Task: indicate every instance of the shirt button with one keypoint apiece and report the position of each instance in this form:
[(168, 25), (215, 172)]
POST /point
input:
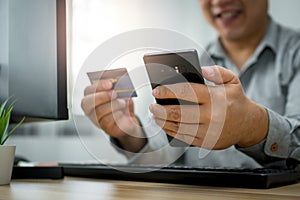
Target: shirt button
[(274, 147)]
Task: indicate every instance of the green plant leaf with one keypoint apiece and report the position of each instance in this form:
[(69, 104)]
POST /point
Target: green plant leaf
[(2, 108), (12, 131), (2, 132), (4, 124), (5, 120)]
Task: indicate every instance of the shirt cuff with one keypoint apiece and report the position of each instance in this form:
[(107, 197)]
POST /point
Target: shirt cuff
[(279, 136), (131, 156), (276, 145)]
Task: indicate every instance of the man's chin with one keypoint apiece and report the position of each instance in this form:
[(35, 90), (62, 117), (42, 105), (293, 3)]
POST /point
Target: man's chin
[(232, 36)]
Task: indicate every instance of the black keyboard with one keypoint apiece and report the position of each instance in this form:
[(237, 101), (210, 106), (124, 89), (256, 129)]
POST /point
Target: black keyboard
[(53, 172), (246, 178)]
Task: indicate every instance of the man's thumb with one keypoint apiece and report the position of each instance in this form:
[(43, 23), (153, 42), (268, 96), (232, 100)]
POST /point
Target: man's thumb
[(219, 75)]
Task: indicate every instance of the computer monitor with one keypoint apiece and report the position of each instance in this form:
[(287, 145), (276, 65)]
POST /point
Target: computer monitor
[(33, 61)]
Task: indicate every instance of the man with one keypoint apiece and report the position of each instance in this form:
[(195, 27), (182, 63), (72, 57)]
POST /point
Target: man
[(262, 112)]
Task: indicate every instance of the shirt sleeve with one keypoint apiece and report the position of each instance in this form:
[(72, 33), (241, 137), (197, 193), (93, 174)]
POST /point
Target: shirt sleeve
[(283, 138), (157, 150)]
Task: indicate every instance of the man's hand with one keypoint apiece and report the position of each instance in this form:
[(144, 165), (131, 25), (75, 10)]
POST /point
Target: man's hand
[(223, 116), (115, 116)]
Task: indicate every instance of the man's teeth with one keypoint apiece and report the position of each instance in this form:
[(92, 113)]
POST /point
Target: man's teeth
[(227, 14)]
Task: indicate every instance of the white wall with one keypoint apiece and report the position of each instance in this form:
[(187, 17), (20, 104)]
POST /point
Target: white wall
[(99, 20), (286, 12)]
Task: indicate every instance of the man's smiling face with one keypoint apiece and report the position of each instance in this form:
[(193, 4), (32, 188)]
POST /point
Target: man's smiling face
[(235, 19)]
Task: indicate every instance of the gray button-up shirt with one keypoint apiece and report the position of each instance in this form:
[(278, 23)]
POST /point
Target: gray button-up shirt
[(271, 77)]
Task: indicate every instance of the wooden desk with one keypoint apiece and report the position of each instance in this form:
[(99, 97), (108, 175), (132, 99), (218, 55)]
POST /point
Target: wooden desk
[(86, 189)]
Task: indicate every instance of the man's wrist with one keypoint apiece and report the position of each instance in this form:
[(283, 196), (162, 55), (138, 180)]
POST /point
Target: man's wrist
[(257, 123), (134, 141)]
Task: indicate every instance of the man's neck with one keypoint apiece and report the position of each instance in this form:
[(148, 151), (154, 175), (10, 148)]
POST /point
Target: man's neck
[(241, 50)]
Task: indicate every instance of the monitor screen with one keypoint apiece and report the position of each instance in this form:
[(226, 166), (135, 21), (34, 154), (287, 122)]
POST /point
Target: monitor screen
[(33, 61)]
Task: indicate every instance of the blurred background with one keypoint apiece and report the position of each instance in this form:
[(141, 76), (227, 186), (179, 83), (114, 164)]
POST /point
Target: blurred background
[(90, 23)]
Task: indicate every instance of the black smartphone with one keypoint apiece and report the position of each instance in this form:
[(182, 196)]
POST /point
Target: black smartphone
[(165, 68)]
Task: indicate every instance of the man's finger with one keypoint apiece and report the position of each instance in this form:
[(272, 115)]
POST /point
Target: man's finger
[(101, 85), (91, 101), (181, 128), (219, 75), (181, 113), (110, 107), (192, 92)]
